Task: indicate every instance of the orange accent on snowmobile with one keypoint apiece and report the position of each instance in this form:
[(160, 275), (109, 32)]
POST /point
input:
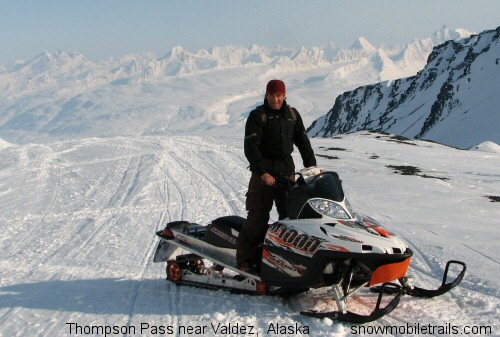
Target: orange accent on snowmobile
[(382, 231), (390, 272), (379, 229)]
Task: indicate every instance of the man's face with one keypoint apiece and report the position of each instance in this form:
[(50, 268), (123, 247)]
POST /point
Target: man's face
[(275, 100)]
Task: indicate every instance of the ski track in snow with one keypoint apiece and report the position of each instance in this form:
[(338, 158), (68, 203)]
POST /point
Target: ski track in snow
[(482, 255), (79, 221)]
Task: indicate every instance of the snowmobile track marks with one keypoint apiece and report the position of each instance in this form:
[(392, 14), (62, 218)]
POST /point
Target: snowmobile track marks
[(220, 185), (47, 211)]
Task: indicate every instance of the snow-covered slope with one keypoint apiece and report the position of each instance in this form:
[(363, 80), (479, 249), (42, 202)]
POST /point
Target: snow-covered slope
[(79, 220), (64, 95), (453, 100)]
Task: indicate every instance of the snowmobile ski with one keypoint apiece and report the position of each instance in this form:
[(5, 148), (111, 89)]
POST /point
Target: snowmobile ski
[(408, 289), (351, 317)]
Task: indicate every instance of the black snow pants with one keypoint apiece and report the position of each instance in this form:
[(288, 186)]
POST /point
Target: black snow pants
[(259, 203)]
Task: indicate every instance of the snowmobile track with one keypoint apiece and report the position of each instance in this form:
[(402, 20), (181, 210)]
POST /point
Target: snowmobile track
[(47, 211)]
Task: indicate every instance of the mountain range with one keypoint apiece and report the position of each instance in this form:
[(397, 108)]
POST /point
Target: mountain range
[(453, 100), (64, 95)]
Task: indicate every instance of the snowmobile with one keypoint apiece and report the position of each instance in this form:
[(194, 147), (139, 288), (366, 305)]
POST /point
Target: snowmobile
[(322, 247)]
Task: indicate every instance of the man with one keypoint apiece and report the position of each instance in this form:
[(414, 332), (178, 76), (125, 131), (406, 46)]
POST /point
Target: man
[(271, 131)]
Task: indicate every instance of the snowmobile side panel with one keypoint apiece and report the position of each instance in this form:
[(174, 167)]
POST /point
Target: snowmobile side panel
[(295, 271), (223, 232)]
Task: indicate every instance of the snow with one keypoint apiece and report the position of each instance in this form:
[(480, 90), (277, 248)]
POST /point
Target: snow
[(79, 216), (3, 143), (487, 147)]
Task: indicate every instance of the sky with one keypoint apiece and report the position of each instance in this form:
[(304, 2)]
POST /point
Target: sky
[(113, 28)]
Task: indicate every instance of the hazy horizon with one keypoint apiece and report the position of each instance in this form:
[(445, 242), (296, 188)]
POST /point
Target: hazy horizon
[(100, 30)]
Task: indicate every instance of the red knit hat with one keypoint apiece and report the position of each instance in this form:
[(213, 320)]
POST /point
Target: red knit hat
[(276, 87)]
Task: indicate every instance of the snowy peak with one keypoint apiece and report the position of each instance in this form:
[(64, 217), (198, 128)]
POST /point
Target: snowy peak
[(448, 101), (44, 71), (58, 61), (4, 144), (177, 53), (487, 147), (362, 44), (392, 62), (445, 34)]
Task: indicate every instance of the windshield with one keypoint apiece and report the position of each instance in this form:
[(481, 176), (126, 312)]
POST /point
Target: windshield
[(326, 185)]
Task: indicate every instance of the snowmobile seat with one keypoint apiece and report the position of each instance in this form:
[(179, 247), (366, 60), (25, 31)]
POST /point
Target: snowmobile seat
[(223, 232)]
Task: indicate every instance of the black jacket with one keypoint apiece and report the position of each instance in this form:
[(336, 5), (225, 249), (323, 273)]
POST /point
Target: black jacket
[(269, 144)]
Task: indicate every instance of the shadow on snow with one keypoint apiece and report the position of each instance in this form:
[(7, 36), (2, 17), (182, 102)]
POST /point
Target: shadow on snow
[(121, 296)]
